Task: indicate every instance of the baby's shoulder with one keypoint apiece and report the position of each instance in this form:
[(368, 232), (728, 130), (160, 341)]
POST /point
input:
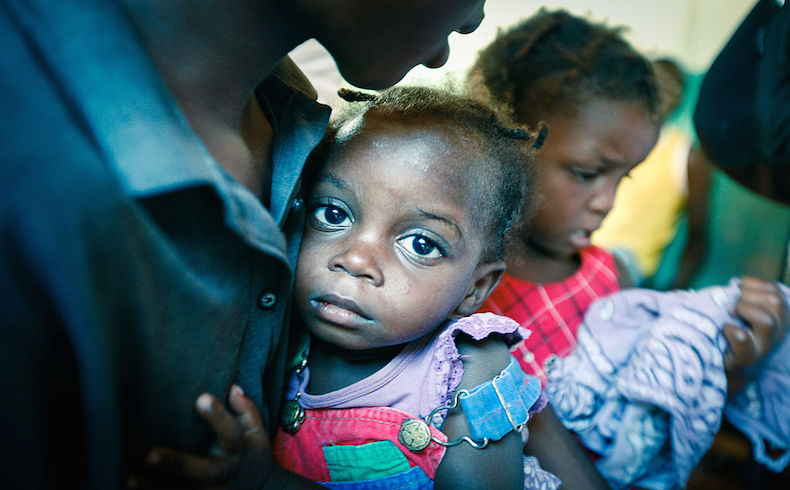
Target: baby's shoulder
[(482, 342)]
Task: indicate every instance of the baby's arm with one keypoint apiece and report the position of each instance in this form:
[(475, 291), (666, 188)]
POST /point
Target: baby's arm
[(501, 464), (763, 308)]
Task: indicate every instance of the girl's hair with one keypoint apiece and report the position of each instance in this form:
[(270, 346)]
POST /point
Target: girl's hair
[(502, 154), (554, 61)]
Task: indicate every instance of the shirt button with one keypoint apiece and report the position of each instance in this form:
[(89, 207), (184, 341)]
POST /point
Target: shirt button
[(297, 204), (267, 299)]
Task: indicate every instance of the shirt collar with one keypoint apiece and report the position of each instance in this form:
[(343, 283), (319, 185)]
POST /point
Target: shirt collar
[(92, 51)]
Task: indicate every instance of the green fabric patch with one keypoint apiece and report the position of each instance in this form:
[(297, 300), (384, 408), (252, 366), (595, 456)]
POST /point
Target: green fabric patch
[(365, 462)]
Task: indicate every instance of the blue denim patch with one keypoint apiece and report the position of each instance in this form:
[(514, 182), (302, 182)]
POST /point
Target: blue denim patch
[(498, 406)]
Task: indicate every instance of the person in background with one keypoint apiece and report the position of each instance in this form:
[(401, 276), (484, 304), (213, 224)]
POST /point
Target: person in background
[(742, 116), (599, 98), (151, 213), (649, 203), (739, 188)]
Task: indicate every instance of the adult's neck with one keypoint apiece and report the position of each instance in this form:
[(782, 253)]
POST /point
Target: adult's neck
[(211, 54)]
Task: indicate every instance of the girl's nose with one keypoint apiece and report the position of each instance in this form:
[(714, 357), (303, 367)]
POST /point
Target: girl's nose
[(603, 199), (359, 260)]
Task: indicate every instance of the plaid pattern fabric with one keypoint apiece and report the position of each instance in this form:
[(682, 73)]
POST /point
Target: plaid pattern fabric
[(554, 311)]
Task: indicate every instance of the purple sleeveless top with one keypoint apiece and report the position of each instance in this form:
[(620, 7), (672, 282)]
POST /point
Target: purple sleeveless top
[(422, 377)]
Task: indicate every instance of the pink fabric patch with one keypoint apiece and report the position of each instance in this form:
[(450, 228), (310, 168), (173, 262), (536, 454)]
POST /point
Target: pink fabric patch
[(302, 453)]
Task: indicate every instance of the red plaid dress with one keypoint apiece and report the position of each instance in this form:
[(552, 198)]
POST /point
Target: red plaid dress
[(554, 311)]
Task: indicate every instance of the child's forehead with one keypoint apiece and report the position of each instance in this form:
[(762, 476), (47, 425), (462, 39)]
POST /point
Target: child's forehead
[(376, 124), (388, 133), (389, 148)]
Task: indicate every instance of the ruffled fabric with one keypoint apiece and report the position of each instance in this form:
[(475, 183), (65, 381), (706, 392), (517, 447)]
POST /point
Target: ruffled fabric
[(446, 366)]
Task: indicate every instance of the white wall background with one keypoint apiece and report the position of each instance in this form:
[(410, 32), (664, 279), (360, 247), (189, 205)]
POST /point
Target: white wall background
[(691, 31)]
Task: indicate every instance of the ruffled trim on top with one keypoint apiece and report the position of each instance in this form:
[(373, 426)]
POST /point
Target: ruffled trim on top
[(447, 369)]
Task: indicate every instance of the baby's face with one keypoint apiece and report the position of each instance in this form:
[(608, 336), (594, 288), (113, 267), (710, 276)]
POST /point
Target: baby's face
[(580, 167), (390, 247)]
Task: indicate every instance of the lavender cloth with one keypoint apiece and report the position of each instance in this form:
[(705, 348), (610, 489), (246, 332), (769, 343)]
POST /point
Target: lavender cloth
[(434, 360), (646, 387)]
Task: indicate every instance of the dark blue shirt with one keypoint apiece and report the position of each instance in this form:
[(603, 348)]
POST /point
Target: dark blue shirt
[(135, 273)]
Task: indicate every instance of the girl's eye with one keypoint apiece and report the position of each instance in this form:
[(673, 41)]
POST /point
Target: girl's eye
[(585, 173), (331, 217), (421, 246)]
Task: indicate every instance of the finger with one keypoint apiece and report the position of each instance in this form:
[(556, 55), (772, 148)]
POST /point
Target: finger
[(256, 439), (761, 314), (769, 294), (184, 467), (741, 350), (755, 283), (248, 414), (229, 431)]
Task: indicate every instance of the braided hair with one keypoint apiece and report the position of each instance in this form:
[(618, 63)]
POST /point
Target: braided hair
[(554, 61), (501, 154)]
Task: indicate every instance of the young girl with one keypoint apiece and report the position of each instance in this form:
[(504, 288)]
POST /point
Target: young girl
[(400, 384), (407, 221), (598, 97)]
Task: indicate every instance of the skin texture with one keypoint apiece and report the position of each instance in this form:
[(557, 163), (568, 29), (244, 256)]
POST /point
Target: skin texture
[(579, 168)]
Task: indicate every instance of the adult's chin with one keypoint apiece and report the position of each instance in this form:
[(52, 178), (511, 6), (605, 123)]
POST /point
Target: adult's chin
[(375, 79)]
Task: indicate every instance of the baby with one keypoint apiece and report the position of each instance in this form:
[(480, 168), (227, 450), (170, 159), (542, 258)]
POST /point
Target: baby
[(407, 221)]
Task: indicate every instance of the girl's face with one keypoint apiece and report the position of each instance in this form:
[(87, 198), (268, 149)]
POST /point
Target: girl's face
[(584, 158), (391, 248)]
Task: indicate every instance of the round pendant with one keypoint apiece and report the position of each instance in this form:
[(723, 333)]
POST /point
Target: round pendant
[(292, 417), (414, 434)]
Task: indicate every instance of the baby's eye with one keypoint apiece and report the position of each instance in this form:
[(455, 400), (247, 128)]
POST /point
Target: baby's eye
[(421, 246), (331, 217)]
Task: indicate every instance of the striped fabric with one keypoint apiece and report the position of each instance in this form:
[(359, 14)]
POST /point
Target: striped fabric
[(554, 311)]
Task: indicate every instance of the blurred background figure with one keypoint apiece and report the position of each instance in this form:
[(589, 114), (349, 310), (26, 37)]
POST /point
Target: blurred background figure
[(651, 200)]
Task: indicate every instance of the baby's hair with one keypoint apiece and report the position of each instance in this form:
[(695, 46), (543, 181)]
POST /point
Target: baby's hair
[(553, 61), (503, 182)]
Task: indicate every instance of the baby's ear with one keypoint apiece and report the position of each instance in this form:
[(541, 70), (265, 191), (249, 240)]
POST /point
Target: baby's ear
[(486, 278)]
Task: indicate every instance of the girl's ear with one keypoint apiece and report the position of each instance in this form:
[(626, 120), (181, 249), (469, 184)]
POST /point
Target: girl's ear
[(484, 281)]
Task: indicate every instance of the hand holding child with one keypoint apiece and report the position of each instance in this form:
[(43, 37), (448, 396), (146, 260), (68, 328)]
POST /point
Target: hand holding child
[(242, 458), (764, 310)]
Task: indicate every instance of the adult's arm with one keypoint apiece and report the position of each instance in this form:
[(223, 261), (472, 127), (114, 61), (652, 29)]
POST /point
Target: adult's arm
[(743, 108)]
